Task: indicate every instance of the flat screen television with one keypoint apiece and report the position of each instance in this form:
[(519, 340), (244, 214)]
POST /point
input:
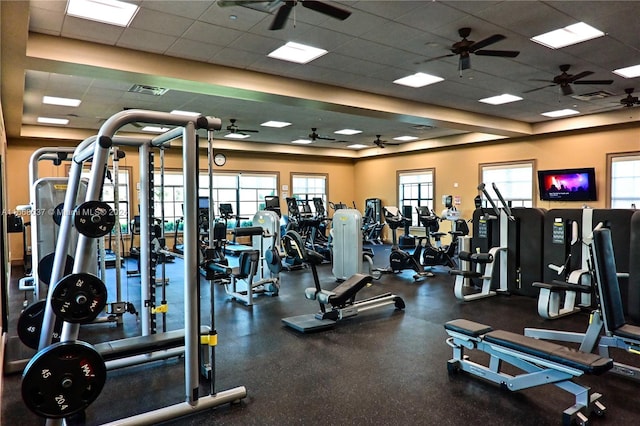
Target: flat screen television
[(567, 184)]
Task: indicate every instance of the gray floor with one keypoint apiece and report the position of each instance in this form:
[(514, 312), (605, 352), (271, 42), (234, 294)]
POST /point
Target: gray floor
[(382, 367)]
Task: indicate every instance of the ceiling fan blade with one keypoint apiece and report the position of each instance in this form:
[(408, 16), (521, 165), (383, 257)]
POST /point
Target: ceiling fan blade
[(249, 130), (281, 17), (578, 76), (325, 138), (486, 42), (434, 59), (327, 9), (566, 89), (501, 53), (593, 82), (538, 88)]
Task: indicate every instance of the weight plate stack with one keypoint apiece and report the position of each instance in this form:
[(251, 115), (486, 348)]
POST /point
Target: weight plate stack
[(63, 379), (30, 325), (94, 219), (79, 298)]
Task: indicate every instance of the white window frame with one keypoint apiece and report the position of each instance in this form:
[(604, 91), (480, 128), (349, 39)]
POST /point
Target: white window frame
[(307, 186), (518, 193), (423, 183), (624, 180)]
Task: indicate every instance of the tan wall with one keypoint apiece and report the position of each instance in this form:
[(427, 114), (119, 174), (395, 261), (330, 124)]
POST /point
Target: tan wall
[(358, 180), (340, 174), (377, 177)]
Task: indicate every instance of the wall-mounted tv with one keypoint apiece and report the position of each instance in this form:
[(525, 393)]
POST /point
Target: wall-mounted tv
[(567, 184)]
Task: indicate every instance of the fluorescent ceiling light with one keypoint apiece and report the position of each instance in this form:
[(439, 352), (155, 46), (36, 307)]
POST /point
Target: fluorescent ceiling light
[(187, 113), (106, 11), (567, 36), (278, 124), (419, 79), (236, 136), (155, 129), (405, 138), (53, 100), (560, 113), (49, 120), (500, 99), (628, 72), (302, 141), (347, 132), (296, 52), (357, 146)]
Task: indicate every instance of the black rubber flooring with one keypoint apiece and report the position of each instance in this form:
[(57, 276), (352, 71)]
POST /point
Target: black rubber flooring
[(382, 367)]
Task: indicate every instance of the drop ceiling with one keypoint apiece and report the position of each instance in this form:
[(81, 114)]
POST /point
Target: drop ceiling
[(213, 60)]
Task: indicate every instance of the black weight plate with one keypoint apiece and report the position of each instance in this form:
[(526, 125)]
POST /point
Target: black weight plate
[(45, 266), (79, 298), (94, 219), (63, 379), (57, 213), (30, 325)]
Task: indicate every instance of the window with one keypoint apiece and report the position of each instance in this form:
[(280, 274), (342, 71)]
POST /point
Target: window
[(625, 181), (244, 191), (514, 181), (307, 187), (415, 188)]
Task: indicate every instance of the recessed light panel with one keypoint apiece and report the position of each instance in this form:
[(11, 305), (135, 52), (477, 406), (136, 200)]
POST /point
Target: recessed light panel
[(500, 99), (302, 141), (49, 120), (112, 12), (187, 113), (296, 52), (357, 146), (628, 72), (405, 138), (560, 113), (276, 124), (419, 79), (236, 136), (567, 36), (155, 129), (348, 132), (53, 100)]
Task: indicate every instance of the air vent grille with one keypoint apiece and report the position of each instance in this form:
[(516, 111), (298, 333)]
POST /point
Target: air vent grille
[(592, 96), (148, 90)]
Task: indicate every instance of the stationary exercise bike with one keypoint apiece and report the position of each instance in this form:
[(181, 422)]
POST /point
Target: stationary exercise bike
[(438, 254), (399, 260)]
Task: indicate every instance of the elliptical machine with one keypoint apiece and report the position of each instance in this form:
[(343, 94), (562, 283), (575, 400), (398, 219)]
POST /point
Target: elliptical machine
[(399, 260), (438, 254)]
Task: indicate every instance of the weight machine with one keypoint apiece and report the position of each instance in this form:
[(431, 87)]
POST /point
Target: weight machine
[(80, 292)]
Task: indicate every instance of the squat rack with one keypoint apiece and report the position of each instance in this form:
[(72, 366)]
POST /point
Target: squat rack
[(96, 149)]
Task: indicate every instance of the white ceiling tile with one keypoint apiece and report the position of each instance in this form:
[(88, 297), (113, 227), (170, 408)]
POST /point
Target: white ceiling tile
[(207, 33), (194, 50), (145, 40), (158, 22)]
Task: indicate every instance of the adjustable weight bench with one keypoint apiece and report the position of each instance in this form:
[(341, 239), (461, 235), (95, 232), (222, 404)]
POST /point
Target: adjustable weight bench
[(341, 301), (542, 362)]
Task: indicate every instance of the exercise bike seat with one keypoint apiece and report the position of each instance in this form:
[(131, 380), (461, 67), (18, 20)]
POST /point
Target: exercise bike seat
[(343, 293)]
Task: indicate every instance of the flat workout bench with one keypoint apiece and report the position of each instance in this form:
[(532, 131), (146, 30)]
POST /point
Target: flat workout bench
[(542, 362)]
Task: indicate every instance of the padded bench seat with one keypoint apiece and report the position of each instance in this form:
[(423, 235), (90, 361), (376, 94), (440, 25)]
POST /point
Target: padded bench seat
[(586, 362), (465, 274), (563, 286)]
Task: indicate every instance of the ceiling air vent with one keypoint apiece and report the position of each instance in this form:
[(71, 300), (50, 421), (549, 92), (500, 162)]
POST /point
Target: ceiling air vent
[(422, 127), (148, 90), (600, 94)]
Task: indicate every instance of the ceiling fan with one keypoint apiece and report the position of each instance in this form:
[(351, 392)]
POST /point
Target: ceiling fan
[(315, 136), (382, 143), (234, 129), (286, 6), (464, 48), (565, 80), (630, 100)]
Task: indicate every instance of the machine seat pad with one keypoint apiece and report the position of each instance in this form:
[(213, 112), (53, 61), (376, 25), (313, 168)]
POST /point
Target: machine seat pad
[(563, 286), (628, 331), (481, 258), (349, 288), (587, 362), (466, 274), (248, 231), (470, 328)]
